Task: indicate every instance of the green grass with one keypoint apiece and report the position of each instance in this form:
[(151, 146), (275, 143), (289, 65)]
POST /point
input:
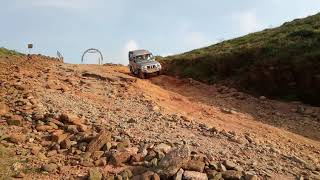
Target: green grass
[(5, 52), (292, 47)]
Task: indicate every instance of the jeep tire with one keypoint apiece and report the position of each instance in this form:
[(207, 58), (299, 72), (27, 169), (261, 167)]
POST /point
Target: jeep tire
[(141, 74)]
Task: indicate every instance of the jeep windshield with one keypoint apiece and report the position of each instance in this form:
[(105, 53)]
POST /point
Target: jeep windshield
[(146, 57)]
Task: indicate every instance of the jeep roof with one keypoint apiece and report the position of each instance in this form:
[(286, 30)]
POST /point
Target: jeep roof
[(140, 52)]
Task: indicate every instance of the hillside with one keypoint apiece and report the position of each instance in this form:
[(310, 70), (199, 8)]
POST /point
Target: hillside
[(283, 62), (68, 121), (6, 52)]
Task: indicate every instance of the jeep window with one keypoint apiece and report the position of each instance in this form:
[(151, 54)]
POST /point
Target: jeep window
[(139, 58)]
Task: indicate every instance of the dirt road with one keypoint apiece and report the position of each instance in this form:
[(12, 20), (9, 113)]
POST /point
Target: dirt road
[(273, 139)]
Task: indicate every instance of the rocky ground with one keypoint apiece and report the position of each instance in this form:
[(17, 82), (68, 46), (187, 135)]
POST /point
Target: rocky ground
[(63, 121)]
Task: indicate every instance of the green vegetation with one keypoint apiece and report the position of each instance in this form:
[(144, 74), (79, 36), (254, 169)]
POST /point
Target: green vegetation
[(5, 52), (279, 62)]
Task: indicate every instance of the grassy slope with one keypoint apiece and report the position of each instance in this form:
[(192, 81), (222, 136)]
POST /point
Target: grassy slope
[(5, 52), (276, 58)]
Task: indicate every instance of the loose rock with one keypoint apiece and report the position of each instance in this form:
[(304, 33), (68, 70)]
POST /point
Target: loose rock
[(173, 161), (191, 175)]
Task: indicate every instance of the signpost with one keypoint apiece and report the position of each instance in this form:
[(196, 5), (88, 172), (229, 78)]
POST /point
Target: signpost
[(30, 46), (60, 57)]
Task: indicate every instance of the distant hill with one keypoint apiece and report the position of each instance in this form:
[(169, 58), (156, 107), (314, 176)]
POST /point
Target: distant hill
[(281, 62), (6, 52)]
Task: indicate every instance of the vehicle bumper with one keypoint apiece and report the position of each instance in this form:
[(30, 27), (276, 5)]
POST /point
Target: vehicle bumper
[(150, 71)]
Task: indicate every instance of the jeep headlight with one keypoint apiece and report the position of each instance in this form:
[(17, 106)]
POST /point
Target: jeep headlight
[(159, 66), (144, 67)]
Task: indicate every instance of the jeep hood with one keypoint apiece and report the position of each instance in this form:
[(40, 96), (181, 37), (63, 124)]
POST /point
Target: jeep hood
[(147, 63)]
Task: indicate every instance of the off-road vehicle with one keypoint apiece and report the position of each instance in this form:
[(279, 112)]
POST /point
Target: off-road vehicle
[(142, 63)]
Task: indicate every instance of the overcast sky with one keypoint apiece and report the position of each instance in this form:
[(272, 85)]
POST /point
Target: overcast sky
[(115, 26)]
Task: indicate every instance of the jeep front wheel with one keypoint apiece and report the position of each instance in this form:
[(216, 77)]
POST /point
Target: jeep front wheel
[(141, 75)]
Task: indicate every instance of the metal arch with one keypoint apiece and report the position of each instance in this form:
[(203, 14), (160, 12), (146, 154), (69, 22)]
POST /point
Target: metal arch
[(93, 50)]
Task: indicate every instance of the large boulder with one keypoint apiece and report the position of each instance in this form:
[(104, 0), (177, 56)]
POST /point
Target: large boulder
[(194, 165), (74, 120), (59, 136), (173, 161), (190, 175), (118, 157), (99, 141), (163, 148), (232, 175)]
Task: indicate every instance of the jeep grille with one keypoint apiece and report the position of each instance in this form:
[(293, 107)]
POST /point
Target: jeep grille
[(151, 67)]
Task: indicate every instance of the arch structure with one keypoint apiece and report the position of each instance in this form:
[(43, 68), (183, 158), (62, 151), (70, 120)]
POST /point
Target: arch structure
[(93, 51)]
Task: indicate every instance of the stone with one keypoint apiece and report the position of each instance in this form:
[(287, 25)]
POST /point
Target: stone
[(43, 128), (149, 175), (35, 150), (262, 98), (251, 177), (71, 119), (156, 108), (58, 123), (99, 141), (173, 161), (213, 165), (227, 111), (101, 162), (137, 157), (66, 144), (17, 166), (15, 120), (124, 144), (160, 155), (72, 129), (41, 156), (212, 174), (51, 167), (131, 120), (97, 155), (83, 146), (150, 156), (179, 175), (154, 162), (163, 148), (58, 138), (119, 157), (191, 175), (87, 163), (107, 146), (17, 138), (232, 175), (118, 177), (238, 168), (55, 146), (194, 165), (4, 109), (52, 153), (94, 174), (53, 125), (221, 167), (19, 175), (127, 174), (229, 164), (38, 117)]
